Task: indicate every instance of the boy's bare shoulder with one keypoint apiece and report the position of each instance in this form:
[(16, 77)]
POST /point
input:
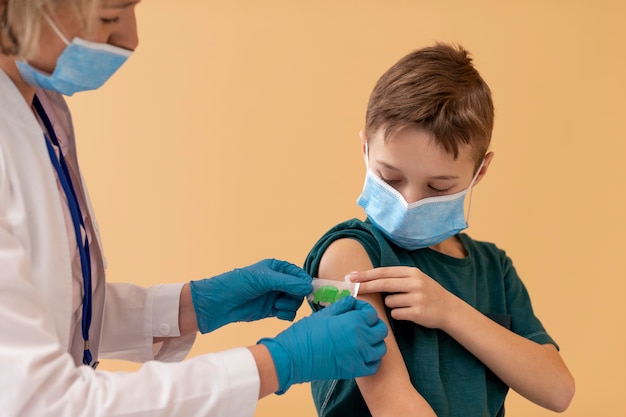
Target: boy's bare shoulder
[(342, 257)]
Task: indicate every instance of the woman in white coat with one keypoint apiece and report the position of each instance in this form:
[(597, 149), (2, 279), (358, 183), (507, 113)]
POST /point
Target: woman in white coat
[(57, 313)]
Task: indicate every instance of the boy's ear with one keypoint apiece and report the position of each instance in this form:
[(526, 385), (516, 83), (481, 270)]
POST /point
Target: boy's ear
[(363, 143), (483, 170)]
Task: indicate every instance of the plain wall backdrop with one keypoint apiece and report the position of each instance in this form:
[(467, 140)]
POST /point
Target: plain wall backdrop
[(231, 135)]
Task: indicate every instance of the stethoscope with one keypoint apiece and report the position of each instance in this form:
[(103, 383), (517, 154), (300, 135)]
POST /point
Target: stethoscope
[(77, 219)]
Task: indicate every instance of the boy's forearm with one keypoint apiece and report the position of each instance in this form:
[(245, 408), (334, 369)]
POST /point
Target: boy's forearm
[(535, 371)]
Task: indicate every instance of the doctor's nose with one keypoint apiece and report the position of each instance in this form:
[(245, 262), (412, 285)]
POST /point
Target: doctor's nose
[(126, 35)]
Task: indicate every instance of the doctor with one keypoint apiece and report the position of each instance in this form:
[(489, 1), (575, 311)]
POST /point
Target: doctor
[(57, 313)]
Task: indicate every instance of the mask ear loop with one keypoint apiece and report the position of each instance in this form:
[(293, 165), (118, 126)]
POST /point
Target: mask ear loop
[(57, 30), (471, 191), (367, 164)]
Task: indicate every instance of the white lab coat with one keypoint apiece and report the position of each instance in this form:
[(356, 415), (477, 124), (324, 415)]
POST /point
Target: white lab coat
[(37, 374)]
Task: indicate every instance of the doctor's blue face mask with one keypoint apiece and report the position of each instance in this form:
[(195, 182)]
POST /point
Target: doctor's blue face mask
[(82, 66), (416, 225)]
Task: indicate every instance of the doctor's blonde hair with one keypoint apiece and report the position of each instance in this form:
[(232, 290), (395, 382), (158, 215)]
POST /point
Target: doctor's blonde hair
[(21, 22)]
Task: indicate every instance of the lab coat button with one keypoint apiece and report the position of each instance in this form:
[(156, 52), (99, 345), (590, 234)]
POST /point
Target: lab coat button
[(164, 329)]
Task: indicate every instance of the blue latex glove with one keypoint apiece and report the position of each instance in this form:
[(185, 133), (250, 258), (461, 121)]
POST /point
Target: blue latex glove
[(270, 288), (343, 341)]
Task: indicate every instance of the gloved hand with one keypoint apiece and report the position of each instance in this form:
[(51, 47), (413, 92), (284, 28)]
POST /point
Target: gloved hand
[(344, 340), (266, 289)]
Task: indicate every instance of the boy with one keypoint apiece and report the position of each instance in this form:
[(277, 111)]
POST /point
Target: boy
[(463, 328)]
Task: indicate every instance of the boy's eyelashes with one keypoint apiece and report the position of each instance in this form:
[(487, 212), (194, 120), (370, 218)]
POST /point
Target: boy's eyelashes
[(397, 182), (110, 20), (389, 181), (439, 190)]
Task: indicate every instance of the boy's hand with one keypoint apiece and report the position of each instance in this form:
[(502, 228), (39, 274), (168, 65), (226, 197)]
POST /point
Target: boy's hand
[(413, 295)]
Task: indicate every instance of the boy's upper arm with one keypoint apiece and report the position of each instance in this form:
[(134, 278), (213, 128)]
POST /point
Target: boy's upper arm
[(392, 379)]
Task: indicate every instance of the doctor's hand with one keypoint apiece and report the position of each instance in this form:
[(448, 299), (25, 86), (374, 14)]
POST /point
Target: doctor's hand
[(412, 295), (270, 288), (342, 341)]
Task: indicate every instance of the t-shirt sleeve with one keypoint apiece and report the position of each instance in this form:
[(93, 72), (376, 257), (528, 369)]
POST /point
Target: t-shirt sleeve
[(523, 319)]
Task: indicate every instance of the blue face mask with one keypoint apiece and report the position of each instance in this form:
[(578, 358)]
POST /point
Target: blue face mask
[(82, 66), (417, 225)]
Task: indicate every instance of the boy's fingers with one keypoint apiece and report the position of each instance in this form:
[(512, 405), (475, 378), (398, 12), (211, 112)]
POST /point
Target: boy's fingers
[(377, 273), (389, 285), (369, 288)]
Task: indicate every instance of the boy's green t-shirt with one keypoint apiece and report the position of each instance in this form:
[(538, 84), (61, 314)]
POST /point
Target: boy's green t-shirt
[(451, 379)]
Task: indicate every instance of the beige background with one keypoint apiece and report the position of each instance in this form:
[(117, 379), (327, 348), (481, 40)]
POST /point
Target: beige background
[(232, 135)]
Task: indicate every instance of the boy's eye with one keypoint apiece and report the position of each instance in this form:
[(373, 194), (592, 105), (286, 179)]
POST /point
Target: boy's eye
[(439, 190), (390, 181)]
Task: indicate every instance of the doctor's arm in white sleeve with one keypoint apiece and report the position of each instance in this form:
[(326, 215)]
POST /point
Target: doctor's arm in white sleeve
[(168, 331)]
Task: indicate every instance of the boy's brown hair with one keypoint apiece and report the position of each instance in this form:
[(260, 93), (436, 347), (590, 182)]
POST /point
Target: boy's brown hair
[(438, 89)]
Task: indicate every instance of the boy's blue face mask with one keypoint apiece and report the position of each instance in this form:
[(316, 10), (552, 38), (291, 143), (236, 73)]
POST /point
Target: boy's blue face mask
[(82, 66), (417, 225)]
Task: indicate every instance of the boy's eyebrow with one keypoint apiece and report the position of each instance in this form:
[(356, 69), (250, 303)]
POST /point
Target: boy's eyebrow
[(386, 165), (436, 177), (445, 177)]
